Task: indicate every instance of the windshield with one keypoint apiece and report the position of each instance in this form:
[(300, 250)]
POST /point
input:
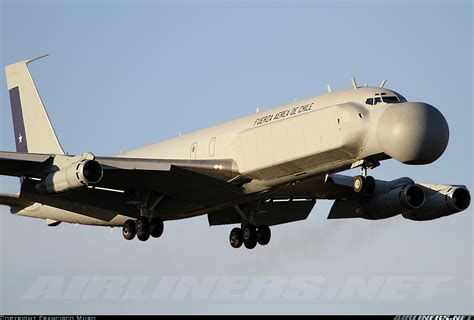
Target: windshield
[(386, 99), (391, 99)]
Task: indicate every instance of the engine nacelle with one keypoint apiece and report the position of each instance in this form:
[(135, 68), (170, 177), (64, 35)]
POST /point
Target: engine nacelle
[(388, 199), (77, 175), (441, 200), (396, 201)]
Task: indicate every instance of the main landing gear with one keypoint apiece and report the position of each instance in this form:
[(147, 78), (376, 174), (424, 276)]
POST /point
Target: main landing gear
[(250, 235), (143, 228)]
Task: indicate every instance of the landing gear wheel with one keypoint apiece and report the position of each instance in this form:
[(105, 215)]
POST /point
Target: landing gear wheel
[(143, 228), (156, 227), (144, 236), (263, 235), (369, 185), (236, 238), (250, 236), (128, 230), (358, 183)]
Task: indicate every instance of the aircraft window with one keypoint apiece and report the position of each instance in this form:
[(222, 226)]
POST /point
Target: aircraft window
[(377, 100), (369, 101), (402, 98), (391, 99)]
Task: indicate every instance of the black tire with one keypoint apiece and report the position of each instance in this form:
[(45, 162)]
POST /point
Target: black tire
[(249, 236), (142, 228), (236, 238), (128, 230), (358, 184), (143, 237), (156, 227), (263, 235), (369, 185)]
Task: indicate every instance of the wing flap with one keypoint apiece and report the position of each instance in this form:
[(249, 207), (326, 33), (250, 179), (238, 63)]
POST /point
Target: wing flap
[(269, 213)]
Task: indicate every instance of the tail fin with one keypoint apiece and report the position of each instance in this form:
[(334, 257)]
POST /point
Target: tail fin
[(33, 130)]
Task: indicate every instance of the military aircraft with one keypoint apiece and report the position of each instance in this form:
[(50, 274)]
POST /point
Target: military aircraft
[(257, 171)]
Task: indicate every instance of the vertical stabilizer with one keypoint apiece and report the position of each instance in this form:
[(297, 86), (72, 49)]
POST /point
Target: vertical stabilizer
[(33, 130)]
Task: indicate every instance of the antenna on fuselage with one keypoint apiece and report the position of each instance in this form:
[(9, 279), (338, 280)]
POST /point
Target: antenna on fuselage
[(354, 83), (329, 88), (383, 83)]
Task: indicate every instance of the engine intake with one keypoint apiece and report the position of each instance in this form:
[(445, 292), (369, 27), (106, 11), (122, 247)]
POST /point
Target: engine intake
[(459, 199), (442, 200), (77, 175), (412, 197)]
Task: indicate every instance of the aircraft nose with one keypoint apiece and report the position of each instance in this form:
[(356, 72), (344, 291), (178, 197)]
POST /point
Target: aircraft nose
[(413, 132)]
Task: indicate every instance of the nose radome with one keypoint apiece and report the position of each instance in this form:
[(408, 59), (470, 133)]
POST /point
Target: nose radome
[(413, 132)]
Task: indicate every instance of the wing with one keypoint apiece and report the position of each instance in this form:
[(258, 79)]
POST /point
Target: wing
[(188, 186)]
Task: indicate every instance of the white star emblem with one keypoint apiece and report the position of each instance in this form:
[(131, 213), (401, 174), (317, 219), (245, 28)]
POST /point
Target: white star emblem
[(20, 138)]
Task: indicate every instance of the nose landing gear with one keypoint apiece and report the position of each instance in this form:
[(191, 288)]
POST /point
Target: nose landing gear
[(363, 184)]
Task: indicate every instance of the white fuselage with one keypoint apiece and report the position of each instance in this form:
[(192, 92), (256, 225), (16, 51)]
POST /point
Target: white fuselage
[(310, 136), (318, 135)]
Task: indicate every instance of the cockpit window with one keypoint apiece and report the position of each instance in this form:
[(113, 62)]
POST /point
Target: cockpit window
[(402, 98), (371, 101), (387, 99), (391, 99)]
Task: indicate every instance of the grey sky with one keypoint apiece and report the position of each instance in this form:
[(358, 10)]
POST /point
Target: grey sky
[(125, 74)]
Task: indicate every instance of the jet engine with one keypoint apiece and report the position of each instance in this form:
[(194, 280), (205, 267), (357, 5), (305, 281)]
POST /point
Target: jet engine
[(396, 201), (77, 175), (441, 200), (388, 199), (401, 196)]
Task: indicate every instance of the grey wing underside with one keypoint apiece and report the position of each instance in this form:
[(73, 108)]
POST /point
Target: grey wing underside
[(190, 187)]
